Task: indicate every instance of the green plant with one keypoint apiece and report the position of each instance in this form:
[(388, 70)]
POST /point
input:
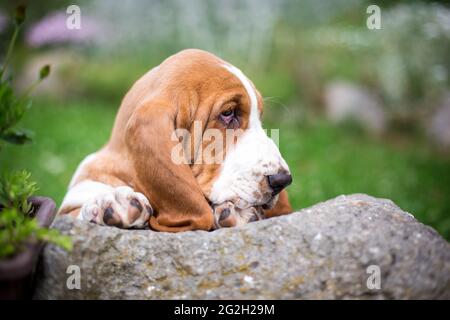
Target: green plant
[(17, 224), (15, 188), (13, 107)]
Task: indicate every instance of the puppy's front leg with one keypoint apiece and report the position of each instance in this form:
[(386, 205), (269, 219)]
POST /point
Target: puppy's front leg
[(122, 208), (99, 203)]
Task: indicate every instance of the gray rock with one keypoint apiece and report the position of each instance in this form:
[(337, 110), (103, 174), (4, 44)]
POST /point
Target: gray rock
[(320, 252), (346, 101)]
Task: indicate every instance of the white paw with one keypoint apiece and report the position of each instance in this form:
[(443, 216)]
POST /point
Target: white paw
[(121, 207), (228, 215)]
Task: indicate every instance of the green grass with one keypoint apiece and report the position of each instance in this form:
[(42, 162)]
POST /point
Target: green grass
[(325, 160), (63, 136)]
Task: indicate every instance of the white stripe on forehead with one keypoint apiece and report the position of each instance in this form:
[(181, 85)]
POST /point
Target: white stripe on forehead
[(254, 114)]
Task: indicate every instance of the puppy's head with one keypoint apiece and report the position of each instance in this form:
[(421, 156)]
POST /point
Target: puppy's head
[(220, 110)]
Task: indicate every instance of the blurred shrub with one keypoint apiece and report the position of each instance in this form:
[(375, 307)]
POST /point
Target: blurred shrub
[(290, 49), (413, 67), (406, 62)]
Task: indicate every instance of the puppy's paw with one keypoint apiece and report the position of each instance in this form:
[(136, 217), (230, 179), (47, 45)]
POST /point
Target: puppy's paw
[(228, 215), (122, 208)]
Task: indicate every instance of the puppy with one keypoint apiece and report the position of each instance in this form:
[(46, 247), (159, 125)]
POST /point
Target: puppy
[(187, 152)]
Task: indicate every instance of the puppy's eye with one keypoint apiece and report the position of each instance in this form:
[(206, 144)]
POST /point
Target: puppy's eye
[(227, 113), (229, 118)]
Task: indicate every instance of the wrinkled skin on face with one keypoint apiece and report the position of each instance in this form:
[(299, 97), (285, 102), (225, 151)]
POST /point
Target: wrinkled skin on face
[(240, 186)]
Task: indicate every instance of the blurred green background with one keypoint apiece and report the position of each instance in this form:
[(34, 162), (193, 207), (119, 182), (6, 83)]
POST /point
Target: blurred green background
[(359, 110)]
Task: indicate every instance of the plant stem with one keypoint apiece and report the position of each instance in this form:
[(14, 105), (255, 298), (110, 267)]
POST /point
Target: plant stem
[(30, 89), (10, 49)]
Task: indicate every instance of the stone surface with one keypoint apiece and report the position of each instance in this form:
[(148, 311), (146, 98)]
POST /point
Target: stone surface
[(346, 101), (320, 252)]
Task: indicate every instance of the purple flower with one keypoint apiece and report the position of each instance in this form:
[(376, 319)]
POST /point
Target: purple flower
[(52, 30)]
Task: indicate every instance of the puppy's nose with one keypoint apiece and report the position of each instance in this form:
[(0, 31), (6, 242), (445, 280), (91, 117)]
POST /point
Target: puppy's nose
[(279, 181)]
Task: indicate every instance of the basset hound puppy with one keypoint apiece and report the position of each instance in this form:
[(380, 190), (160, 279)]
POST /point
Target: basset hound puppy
[(137, 178)]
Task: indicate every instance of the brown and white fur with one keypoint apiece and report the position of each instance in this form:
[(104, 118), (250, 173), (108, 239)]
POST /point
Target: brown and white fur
[(133, 180)]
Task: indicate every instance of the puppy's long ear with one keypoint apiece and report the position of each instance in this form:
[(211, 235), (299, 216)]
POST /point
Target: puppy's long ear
[(171, 188), (281, 207)]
